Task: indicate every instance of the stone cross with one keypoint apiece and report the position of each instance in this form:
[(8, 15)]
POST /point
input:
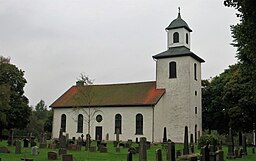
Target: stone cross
[(143, 150), (186, 149)]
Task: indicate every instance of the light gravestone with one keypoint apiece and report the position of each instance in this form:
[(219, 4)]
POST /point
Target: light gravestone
[(43, 143), (143, 149), (34, 150), (186, 149)]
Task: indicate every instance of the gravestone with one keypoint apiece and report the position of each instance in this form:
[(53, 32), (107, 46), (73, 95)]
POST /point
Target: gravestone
[(88, 141), (191, 143), (17, 147), (67, 157), (26, 159), (240, 153), (143, 150), (92, 149), (52, 156), (34, 150), (129, 156), (129, 143), (132, 150), (159, 155), (107, 137), (212, 155), (43, 143), (103, 149), (186, 149), (62, 143), (230, 143), (244, 144), (32, 141), (178, 153), (82, 136), (117, 136), (171, 151), (4, 150), (220, 155), (165, 135), (236, 153), (240, 138), (204, 153), (253, 150)]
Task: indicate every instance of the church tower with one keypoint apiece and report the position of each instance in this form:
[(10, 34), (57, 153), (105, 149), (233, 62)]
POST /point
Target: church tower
[(178, 71)]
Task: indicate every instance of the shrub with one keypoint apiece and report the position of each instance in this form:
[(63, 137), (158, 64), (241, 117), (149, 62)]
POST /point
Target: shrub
[(206, 140)]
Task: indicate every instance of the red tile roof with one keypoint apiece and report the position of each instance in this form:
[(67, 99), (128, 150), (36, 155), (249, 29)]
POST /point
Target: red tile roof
[(130, 94)]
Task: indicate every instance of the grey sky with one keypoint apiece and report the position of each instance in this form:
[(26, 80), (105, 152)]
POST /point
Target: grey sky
[(111, 41)]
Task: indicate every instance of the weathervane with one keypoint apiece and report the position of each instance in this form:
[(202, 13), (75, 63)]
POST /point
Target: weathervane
[(179, 10)]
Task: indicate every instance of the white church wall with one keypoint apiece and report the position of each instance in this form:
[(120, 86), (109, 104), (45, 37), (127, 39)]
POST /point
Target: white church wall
[(176, 107), (108, 123)]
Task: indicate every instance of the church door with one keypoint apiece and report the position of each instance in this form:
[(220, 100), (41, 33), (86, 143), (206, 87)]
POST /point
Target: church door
[(98, 133)]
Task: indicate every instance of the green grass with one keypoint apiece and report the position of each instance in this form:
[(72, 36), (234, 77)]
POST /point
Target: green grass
[(96, 156)]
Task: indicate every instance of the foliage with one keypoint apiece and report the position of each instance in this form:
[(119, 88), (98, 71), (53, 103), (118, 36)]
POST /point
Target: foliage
[(244, 34), (206, 139), (12, 81)]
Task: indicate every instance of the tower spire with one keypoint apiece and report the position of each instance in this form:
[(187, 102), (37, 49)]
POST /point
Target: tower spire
[(179, 12)]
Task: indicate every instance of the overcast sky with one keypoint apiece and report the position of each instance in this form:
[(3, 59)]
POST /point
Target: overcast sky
[(111, 41)]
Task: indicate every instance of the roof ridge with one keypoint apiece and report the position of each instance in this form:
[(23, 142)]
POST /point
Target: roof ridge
[(124, 83)]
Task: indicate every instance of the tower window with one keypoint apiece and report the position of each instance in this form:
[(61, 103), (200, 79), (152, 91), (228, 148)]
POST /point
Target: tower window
[(187, 38), (172, 70), (118, 123), (195, 110), (80, 123), (63, 122), (195, 72), (175, 37), (139, 124)]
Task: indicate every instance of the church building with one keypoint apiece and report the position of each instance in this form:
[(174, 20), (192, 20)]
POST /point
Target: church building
[(142, 109)]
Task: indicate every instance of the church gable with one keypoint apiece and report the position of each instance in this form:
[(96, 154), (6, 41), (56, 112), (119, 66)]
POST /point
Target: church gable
[(130, 94)]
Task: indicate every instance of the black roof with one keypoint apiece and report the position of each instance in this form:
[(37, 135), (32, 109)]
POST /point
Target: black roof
[(177, 52)]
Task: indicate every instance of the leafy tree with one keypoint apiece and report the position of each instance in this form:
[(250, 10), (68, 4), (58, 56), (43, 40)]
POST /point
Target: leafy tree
[(12, 81), (48, 122), (244, 34), (41, 111)]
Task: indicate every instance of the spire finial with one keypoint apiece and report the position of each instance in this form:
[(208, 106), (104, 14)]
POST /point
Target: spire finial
[(179, 12)]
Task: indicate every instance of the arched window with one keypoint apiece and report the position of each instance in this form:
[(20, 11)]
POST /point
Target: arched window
[(118, 123), (187, 38), (80, 121), (172, 70), (195, 72), (63, 122), (175, 37), (139, 124)]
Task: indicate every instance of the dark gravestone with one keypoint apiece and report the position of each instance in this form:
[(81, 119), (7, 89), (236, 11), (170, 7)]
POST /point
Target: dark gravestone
[(103, 149), (62, 151), (26, 159), (212, 155), (230, 143), (191, 143), (204, 153), (132, 150), (129, 143), (220, 155), (129, 156), (178, 153), (240, 138), (171, 151), (236, 153), (244, 145), (92, 149), (159, 155), (143, 149), (4, 150), (186, 149), (17, 147), (32, 142), (165, 135), (25, 143), (253, 150), (67, 157), (52, 156)]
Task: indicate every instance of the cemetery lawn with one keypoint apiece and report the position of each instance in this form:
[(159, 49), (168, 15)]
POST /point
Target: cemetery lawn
[(111, 155)]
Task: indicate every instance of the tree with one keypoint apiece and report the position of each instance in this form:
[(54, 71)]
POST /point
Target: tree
[(17, 116), (244, 34), (84, 100), (41, 111)]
